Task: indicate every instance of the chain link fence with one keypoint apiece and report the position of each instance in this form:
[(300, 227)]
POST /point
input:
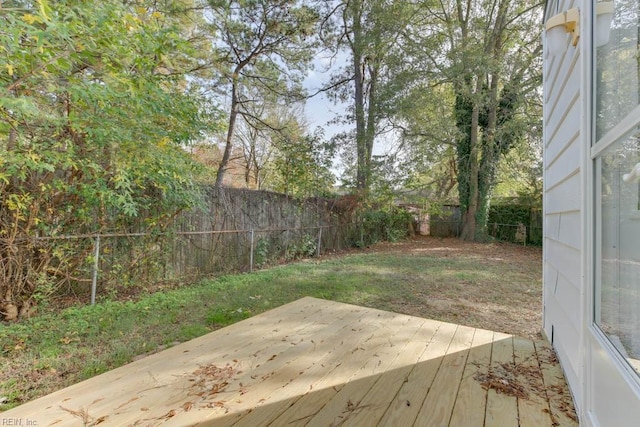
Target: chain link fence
[(231, 230), (514, 233), (120, 261), (508, 221)]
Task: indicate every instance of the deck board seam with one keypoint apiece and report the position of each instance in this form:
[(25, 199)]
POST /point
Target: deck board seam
[(438, 372)]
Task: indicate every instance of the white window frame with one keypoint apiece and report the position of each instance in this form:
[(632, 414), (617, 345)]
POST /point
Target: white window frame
[(627, 127)]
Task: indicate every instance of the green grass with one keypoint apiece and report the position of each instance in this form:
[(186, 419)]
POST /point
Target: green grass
[(55, 350)]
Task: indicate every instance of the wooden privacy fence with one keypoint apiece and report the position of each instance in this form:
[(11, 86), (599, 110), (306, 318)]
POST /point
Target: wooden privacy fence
[(233, 230)]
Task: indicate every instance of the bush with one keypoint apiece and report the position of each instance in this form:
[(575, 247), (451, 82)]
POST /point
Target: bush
[(504, 219), (382, 225)]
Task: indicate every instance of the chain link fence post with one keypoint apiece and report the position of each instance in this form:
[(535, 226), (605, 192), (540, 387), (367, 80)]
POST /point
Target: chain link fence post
[(94, 270), (251, 254)]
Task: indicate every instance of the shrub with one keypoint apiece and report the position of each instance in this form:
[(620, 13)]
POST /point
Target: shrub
[(382, 225)]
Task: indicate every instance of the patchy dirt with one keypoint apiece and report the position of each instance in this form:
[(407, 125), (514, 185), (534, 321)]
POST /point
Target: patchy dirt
[(501, 289), (499, 303), (453, 246)]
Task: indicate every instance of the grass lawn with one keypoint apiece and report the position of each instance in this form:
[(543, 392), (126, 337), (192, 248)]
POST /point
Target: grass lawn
[(493, 286)]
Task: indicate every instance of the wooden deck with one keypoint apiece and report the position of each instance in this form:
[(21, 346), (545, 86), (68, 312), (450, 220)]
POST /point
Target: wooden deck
[(322, 363)]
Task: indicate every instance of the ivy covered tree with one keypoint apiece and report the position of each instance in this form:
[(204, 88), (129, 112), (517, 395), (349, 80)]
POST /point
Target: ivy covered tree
[(496, 61), (471, 79), (94, 112)]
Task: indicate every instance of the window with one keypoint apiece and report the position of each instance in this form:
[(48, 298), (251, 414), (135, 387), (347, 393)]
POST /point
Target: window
[(618, 307), (618, 69), (617, 165)]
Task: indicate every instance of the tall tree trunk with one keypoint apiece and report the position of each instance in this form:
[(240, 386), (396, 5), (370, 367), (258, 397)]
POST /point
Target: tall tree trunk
[(490, 156), (469, 215), (235, 108), (370, 131), (477, 175), (359, 76), (464, 107), (13, 139)]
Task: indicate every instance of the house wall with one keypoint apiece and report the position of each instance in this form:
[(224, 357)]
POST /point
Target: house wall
[(586, 240), (563, 216)]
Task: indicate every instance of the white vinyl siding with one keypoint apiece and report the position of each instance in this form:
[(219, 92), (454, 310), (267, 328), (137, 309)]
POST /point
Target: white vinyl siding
[(563, 203), (590, 216)]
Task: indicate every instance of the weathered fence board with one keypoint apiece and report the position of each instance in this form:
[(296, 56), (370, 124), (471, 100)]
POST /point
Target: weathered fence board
[(233, 230)]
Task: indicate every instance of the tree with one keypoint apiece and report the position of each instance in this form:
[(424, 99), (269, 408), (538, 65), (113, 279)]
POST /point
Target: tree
[(262, 124), (302, 165), (494, 78), (427, 136), (94, 112), (369, 31), (486, 60), (299, 162), (257, 148), (262, 43), (520, 174)]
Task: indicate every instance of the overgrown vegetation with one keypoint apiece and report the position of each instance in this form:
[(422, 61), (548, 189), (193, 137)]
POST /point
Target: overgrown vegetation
[(382, 225), (489, 286), (509, 216), (95, 109)]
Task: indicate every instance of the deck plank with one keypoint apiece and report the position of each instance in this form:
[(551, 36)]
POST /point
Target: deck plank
[(347, 401), (406, 404), (353, 343), (389, 382), (320, 363), (137, 388), (254, 365), (323, 390), (277, 381), (471, 401), (311, 404), (502, 409), (437, 408), (269, 388), (534, 410), (558, 394)]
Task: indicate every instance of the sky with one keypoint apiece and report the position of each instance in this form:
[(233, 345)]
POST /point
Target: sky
[(319, 110)]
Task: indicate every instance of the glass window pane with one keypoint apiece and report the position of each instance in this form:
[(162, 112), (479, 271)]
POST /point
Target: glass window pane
[(618, 288), (617, 63)]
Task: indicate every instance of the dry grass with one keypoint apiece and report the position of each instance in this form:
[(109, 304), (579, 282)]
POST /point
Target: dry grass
[(496, 286)]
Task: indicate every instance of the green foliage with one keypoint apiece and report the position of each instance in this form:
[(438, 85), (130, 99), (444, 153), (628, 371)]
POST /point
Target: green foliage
[(307, 247), (261, 252), (302, 164), (505, 217), (509, 214), (290, 247), (94, 112), (378, 225)]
